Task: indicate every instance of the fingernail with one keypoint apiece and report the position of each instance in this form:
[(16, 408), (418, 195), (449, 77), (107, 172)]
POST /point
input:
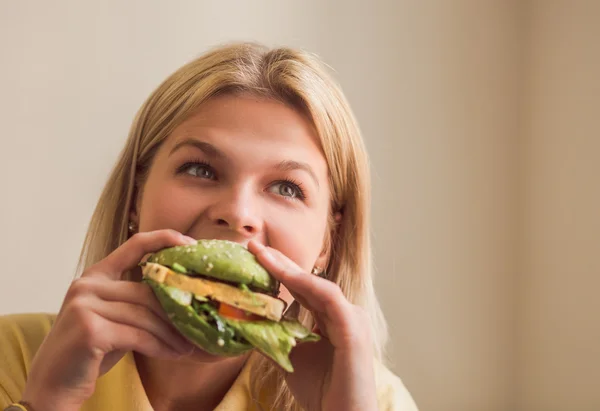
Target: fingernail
[(184, 347), (258, 245), (188, 351), (267, 255), (175, 355), (189, 240)]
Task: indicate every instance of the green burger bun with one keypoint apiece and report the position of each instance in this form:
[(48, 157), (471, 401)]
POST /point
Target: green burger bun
[(220, 298)]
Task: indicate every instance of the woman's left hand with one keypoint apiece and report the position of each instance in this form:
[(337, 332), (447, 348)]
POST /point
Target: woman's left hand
[(335, 373)]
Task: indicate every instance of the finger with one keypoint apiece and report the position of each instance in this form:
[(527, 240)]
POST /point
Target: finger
[(123, 291), (257, 249), (131, 252), (131, 338), (130, 292), (319, 294), (140, 318)]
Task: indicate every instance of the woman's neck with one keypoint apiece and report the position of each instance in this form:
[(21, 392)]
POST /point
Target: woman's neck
[(191, 385)]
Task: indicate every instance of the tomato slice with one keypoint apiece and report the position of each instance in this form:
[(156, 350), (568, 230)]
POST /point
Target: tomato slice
[(230, 311)]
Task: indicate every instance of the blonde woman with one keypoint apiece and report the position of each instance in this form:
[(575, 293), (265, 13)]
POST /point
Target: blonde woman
[(247, 144)]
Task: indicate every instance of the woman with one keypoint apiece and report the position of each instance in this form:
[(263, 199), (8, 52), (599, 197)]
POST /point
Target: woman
[(246, 144)]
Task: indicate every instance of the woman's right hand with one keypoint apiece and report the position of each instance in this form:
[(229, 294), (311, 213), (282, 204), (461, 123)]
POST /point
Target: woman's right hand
[(100, 320)]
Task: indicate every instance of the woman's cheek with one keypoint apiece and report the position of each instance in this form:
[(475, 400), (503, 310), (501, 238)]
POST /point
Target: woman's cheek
[(297, 236), (170, 207)]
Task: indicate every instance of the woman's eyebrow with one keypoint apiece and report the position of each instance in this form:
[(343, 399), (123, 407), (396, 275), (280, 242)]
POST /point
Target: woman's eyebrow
[(289, 165), (208, 148)]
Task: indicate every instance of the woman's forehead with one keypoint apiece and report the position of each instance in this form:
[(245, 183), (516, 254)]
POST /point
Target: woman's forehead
[(229, 124), (249, 114)]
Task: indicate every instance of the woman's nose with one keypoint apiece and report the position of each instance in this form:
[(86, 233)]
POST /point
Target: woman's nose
[(237, 210)]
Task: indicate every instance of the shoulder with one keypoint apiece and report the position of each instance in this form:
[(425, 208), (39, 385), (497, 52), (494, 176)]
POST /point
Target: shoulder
[(392, 395), (20, 337), (23, 333)]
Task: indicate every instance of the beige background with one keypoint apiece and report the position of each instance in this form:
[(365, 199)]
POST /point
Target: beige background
[(559, 281), (481, 118)]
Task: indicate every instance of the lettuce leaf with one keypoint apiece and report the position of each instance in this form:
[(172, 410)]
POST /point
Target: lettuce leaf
[(274, 339)]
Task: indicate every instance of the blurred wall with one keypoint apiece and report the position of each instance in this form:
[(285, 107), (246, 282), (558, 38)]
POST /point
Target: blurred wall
[(440, 90), (559, 345), (444, 132)]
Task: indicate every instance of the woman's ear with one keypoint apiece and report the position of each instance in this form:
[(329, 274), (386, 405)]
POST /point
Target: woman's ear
[(134, 209)]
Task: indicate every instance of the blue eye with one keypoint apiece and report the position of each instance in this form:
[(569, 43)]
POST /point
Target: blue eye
[(288, 189), (198, 169)]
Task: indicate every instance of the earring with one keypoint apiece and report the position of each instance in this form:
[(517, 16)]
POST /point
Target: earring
[(132, 227), (319, 271)]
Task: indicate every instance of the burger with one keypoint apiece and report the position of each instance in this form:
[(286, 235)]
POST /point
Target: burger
[(222, 300)]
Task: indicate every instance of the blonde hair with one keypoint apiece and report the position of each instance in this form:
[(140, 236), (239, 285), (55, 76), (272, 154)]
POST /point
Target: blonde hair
[(296, 78)]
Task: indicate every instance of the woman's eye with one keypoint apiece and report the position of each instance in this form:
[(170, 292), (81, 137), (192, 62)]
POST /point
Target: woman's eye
[(199, 170), (287, 189)]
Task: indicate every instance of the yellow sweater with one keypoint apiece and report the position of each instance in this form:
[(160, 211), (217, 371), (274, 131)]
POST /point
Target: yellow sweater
[(121, 388)]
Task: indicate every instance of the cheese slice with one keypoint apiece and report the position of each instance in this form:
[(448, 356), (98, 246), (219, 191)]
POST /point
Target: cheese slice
[(253, 302)]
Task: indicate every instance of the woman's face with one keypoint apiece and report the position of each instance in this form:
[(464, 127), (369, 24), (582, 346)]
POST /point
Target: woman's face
[(242, 168)]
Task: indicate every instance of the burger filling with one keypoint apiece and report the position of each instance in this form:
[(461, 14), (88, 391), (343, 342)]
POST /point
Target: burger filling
[(238, 313)]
